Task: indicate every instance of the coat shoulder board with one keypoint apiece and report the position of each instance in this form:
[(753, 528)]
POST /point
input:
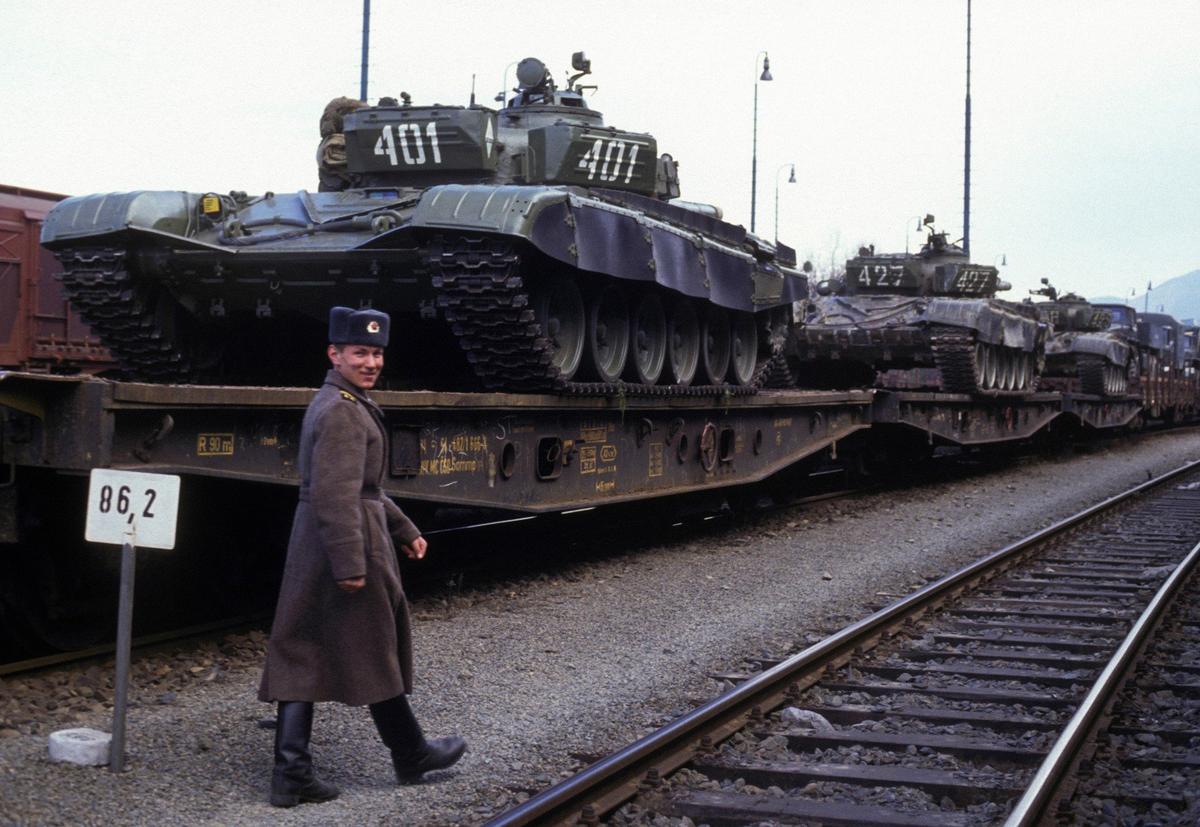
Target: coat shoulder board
[(349, 396)]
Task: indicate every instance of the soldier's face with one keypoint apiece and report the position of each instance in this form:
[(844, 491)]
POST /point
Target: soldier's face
[(358, 364)]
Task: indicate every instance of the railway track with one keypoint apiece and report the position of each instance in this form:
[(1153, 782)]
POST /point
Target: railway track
[(971, 701)]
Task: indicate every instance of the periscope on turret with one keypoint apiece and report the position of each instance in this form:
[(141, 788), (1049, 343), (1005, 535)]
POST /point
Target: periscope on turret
[(530, 248)]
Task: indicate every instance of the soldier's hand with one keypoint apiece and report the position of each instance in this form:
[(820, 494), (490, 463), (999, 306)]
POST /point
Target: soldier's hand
[(353, 584), (416, 550)]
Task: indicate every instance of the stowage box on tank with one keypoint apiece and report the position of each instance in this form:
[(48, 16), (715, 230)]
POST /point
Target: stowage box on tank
[(530, 248)]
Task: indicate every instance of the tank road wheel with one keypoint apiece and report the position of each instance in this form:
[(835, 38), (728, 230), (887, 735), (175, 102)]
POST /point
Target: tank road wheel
[(1026, 373), (683, 342), (1008, 363), (648, 339), (1002, 369), (743, 345), (714, 341), (608, 333), (993, 367), (982, 360), (558, 309)]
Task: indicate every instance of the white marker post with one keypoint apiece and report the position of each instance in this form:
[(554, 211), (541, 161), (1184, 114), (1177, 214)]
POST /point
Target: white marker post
[(129, 508)]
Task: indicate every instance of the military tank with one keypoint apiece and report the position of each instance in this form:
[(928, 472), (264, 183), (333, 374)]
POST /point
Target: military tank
[(1083, 352), (924, 320), (530, 248)]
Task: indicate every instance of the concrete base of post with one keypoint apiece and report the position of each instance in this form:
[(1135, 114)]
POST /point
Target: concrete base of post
[(80, 746)]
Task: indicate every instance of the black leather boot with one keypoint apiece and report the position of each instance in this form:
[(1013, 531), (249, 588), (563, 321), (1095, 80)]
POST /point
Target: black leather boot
[(292, 781), (412, 755)]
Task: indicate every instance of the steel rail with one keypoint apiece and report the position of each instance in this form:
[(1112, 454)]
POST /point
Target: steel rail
[(171, 636), (607, 783), (1047, 784)]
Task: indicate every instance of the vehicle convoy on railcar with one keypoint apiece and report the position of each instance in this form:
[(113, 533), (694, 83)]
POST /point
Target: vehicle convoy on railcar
[(1084, 352), (551, 248), (893, 316), (1170, 366)]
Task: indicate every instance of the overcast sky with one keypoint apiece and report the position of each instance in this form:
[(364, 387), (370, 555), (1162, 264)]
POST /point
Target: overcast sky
[(1086, 113)]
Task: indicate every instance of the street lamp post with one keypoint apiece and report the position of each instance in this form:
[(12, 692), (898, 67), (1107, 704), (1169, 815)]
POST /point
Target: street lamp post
[(502, 98), (917, 219), (766, 75), (791, 180)]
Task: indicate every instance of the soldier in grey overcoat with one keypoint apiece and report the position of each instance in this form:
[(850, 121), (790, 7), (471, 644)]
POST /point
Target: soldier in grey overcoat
[(342, 630)]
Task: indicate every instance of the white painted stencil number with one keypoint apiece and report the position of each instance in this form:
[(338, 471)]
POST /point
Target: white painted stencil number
[(881, 275), (970, 280), (412, 151), (604, 159)]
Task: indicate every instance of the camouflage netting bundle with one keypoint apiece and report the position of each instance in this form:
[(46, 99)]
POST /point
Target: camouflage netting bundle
[(335, 110), (332, 151)]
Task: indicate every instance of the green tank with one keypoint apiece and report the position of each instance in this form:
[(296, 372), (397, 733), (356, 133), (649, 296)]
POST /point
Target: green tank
[(929, 319), (1083, 353), (531, 248)]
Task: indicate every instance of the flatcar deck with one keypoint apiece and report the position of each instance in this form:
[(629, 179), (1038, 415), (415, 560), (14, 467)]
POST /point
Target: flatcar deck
[(518, 452)]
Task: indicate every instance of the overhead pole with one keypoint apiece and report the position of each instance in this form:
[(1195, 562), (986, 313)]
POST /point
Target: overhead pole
[(967, 149), (366, 48)]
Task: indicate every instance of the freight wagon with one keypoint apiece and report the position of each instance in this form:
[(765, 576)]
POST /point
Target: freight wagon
[(39, 331)]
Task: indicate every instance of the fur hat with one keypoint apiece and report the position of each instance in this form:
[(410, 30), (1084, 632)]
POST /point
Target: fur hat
[(358, 327)]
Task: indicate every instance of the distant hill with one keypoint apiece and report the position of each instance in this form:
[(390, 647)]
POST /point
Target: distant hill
[(1179, 296)]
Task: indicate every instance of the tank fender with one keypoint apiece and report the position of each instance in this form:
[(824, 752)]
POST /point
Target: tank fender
[(628, 243), (167, 213), (1110, 348), (507, 210), (603, 237), (991, 320)]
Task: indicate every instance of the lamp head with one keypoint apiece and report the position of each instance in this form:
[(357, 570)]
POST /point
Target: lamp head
[(766, 72), (792, 177)]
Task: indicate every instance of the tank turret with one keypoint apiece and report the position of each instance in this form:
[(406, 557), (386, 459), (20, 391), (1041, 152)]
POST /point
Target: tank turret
[(939, 268), (532, 247)]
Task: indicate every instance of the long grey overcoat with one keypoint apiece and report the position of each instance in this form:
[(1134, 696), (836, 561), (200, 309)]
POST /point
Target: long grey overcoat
[(327, 644)]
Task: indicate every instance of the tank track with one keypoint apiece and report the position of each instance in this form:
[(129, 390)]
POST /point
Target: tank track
[(482, 295), (99, 285), (954, 357)]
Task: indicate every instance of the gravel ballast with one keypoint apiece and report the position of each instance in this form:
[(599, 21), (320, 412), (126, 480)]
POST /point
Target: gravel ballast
[(541, 674)]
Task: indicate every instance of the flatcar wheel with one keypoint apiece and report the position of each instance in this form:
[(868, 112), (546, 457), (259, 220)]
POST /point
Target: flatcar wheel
[(744, 348), (608, 333), (648, 339), (981, 363), (715, 345), (683, 342), (558, 308)]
